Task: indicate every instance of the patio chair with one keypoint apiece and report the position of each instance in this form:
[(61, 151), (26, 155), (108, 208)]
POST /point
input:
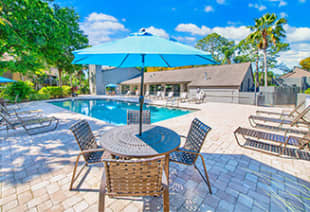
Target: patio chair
[(189, 153), (30, 124), (13, 112), (91, 152), (133, 117), (144, 177), (274, 144), (299, 120), (284, 113), (183, 97)]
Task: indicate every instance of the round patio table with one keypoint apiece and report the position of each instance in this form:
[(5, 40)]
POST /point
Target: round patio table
[(155, 140)]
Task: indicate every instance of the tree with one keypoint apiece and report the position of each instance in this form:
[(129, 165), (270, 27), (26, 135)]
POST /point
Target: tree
[(268, 32), (305, 63), (66, 38), (23, 34), (220, 48)]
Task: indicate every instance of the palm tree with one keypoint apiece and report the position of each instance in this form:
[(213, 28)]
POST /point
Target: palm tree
[(268, 30)]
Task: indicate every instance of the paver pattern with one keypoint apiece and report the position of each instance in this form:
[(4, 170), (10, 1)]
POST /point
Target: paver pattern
[(36, 170)]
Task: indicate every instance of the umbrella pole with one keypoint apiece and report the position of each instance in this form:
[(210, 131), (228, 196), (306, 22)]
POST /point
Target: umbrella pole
[(141, 99)]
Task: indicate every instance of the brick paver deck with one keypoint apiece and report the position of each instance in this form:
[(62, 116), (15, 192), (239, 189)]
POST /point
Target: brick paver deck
[(36, 170)]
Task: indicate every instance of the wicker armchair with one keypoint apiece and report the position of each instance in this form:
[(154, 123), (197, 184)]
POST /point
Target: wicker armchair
[(90, 151), (189, 153), (133, 117), (134, 178)]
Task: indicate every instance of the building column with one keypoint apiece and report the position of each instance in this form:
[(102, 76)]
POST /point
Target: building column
[(182, 87), (92, 79), (163, 86), (147, 88)]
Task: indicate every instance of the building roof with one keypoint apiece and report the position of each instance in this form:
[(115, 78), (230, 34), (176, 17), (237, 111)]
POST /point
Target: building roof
[(207, 76), (296, 73)]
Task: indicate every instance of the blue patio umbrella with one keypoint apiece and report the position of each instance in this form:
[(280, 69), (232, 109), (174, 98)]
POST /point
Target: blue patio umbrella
[(111, 86), (142, 50), (6, 80)]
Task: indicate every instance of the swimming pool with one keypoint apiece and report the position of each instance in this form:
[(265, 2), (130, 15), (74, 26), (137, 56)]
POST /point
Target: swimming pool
[(115, 112)]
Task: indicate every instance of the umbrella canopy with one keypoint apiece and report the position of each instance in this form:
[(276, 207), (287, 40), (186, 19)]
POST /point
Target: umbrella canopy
[(111, 86), (6, 80), (142, 50)]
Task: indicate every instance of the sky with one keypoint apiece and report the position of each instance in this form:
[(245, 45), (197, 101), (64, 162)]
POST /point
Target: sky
[(190, 20)]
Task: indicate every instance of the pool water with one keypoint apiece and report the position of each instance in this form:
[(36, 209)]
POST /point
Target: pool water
[(115, 112)]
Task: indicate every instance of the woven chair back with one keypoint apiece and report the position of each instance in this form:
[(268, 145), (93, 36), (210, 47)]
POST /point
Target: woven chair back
[(133, 117), (134, 177), (196, 136), (84, 137)]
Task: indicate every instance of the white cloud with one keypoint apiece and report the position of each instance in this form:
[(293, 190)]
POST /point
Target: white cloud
[(220, 1), (283, 15), (193, 29), (100, 27), (100, 17), (230, 32), (297, 34), (281, 2), (157, 31), (208, 9), (257, 6), (302, 1), (124, 20), (297, 52)]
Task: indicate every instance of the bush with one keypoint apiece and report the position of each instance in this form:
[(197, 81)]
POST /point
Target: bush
[(56, 92), (20, 88), (307, 91), (38, 96)]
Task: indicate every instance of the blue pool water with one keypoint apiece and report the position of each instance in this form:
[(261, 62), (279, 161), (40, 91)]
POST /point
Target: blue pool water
[(115, 112)]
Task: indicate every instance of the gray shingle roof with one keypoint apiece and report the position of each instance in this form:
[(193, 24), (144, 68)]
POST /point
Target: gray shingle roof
[(218, 75), (296, 73)]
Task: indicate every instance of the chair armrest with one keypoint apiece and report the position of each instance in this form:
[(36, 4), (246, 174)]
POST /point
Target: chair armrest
[(92, 150), (183, 136), (187, 151)]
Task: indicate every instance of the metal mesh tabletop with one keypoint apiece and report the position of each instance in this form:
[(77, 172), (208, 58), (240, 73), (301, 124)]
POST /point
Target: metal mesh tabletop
[(125, 141)]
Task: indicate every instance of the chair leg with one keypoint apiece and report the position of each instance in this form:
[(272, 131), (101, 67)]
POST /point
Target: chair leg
[(102, 195), (206, 178), (74, 171), (166, 198)]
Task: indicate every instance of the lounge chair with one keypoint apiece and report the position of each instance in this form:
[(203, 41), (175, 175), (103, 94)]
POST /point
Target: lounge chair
[(133, 117), (299, 120), (122, 178), (183, 97), (274, 144), (32, 125), (22, 113), (89, 149), (284, 113), (189, 153)]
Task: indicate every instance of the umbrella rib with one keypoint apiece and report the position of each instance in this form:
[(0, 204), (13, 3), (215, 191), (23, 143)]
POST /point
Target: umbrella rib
[(123, 60), (80, 59), (206, 58), (162, 57)]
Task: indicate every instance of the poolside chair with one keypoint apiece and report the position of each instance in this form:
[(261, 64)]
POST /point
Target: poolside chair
[(299, 120), (284, 113), (133, 117), (22, 113), (30, 124), (91, 152), (122, 178), (183, 97), (189, 153), (158, 95), (274, 144)]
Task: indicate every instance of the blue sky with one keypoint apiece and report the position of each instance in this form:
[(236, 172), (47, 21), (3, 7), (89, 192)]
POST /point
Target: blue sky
[(190, 20)]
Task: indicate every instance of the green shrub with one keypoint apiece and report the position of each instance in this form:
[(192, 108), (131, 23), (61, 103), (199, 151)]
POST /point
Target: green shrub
[(307, 91), (55, 91), (22, 89), (84, 90), (38, 96)]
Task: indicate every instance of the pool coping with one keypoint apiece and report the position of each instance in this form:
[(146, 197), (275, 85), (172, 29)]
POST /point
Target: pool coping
[(123, 99)]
